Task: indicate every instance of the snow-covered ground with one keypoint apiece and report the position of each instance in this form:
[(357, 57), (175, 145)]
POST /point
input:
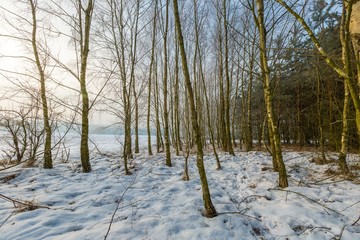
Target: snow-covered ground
[(155, 203)]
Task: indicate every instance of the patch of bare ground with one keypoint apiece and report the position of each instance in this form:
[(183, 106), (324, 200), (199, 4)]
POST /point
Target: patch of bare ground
[(297, 148), (6, 163), (321, 161)]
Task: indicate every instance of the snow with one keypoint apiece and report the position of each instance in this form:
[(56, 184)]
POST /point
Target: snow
[(155, 203)]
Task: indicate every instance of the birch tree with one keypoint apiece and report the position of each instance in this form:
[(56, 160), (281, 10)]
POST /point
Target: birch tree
[(202, 77), (165, 87), (209, 209), (274, 134), (151, 67), (84, 41), (41, 69), (227, 80)]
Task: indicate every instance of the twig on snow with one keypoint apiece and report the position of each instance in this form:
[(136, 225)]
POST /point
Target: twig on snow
[(356, 221), (241, 213), (351, 205), (254, 196), (306, 198), (310, 228), (342, 231), (2, 224), (324, 179), (118, 203)]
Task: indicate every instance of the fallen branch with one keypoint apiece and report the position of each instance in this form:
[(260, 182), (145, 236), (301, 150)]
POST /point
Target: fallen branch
[(29, 205), (245, 200), (324, 179), (306, 198)]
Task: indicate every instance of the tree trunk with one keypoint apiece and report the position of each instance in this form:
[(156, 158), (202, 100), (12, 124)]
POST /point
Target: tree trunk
[(134, 36), (227, 77), (209, 210), (345, 134), (84, 43), (165, 89), (159, 141), (274, 133), (348, 68), (299, 131), (47, 146), (235, 107), (319, 115), (202, 77), (221, 112), (248, 127), (153, 42), (354, 30), (176, 99), (116, 23), (136, 148)]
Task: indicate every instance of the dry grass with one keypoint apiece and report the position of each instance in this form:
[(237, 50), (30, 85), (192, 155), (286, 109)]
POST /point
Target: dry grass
[(22, 206), (26, 206), (8, 162), (355, 167), (321, 161), (8, 178)]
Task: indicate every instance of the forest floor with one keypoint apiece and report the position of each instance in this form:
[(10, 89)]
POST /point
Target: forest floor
[(155, 203)]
